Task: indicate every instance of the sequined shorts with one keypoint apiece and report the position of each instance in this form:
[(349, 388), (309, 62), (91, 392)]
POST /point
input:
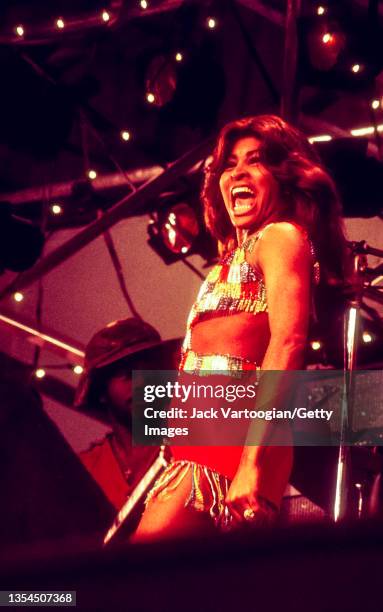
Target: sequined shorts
[(208, 490), (208, 493)]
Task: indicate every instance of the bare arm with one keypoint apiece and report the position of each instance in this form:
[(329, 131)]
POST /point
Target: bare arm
[(285, 260)]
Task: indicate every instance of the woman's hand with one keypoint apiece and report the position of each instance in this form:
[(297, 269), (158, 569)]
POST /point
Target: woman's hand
[(284, 257), (245, 506)]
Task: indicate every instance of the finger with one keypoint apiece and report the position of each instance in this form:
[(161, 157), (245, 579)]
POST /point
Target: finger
[(237, 508), (236, 514), (253, 502), (234, 509)]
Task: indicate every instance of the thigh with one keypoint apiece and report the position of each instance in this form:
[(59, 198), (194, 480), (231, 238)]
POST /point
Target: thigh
[(165, 516)]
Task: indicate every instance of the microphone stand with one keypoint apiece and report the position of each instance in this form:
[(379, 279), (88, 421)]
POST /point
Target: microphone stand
[(360, 250)]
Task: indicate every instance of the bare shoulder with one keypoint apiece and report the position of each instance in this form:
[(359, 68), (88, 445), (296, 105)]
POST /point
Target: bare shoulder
[(284, 238), (281, 244), (283, 230)]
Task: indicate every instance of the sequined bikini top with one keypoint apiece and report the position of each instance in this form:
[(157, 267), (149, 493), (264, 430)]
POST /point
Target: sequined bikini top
[(233, 286)]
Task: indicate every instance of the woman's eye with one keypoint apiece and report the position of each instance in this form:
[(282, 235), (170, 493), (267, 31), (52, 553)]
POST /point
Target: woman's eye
[(254, 159)]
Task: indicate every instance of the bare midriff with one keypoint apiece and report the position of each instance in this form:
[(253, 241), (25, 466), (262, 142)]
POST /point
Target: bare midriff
[(241, 334)]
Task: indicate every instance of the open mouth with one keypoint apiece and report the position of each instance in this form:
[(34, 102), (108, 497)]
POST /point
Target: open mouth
[(242, 198)]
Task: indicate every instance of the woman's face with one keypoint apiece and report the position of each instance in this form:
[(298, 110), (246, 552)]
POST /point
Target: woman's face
[(249, 190)]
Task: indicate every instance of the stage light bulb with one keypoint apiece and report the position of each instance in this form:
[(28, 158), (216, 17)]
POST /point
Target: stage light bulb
[(179, 57), (367, 338), (18, 297), (143, 4), (375, 104), (150, 97), (326, 38), (92, 174), (77, 369), (316, 345), (40, 373), (56, 209), (125, 135), (356, 68), (105, 16), (20, 30), (60, 23), (184, 249), (211, 23), (321, 10)]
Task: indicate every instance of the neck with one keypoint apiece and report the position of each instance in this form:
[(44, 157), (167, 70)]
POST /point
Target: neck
[(242, 235)]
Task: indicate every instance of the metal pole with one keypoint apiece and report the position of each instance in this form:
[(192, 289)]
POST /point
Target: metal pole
[(70, 350), (129, 205), (343, 475)]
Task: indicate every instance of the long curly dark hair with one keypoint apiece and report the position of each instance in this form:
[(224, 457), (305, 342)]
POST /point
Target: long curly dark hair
[(308, 194)]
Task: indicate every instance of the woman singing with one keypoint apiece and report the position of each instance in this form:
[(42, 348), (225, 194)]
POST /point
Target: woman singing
[(276, 216)]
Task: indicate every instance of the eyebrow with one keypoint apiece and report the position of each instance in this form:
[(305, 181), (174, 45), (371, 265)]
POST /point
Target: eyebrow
[(248, 154)]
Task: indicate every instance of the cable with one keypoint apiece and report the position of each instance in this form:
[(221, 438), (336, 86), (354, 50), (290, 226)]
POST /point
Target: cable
[(193, 269), (85, 125), (254, 53), (118, 269)]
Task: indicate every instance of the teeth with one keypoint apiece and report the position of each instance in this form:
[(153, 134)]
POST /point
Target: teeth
[(242, 189), (240, 208)]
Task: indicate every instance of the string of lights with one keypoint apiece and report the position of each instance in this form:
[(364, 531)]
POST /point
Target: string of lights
[(109, 17), (43, 370), (24, 34), (57, 208)]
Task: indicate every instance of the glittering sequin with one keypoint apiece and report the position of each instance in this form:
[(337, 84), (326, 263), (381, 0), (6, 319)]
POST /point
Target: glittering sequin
[(208, 490), (199, 364), (232, 286)]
